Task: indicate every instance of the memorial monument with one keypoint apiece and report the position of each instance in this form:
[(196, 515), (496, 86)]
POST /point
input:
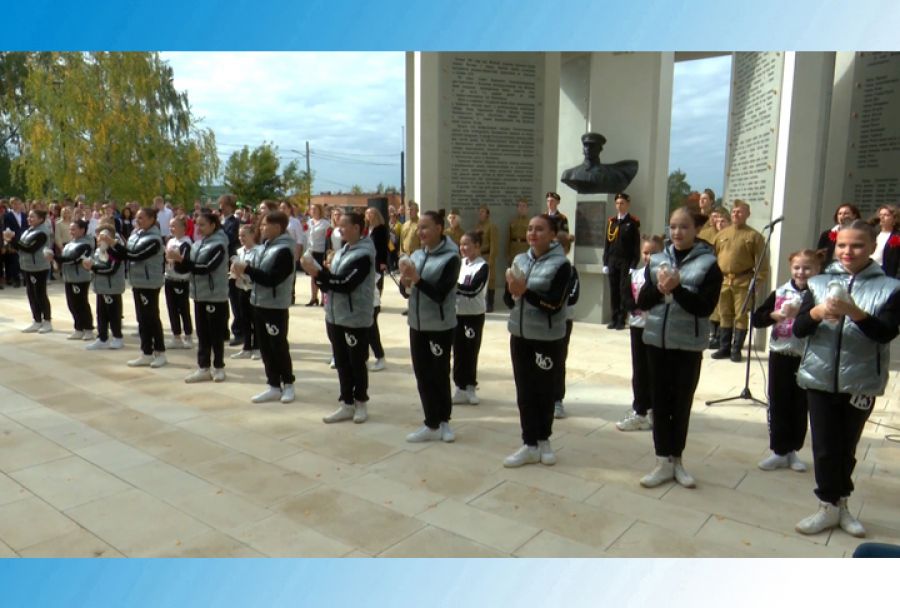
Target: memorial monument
[(592, 176)]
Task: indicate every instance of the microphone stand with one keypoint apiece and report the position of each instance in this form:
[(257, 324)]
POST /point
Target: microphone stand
[(749, 304)]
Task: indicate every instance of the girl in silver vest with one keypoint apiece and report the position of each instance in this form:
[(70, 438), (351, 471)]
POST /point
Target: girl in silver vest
[(77, 279), (787, 411), (207, 263), (428, 278), (538, 287), (35, 254), (108, 281), (272, 273), (145, 253), (639, 418), (349, 283), (247, 253), (470, 310), (178, 288), (681, 290), (849, 317)]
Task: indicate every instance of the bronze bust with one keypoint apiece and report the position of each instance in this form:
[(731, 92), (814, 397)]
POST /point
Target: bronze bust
[(593, 177)]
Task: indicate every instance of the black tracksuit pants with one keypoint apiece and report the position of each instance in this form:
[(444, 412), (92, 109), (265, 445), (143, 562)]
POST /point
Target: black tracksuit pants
[(36, 289), (109, 316), (674, 374), (561, 380), (78, 300), (212, 325), (272, 337), (788, 409), (350, 347), (375, 336), (466, 346), (535, 369), (836, 427), (146, 307), (178, 303), (640, 373), (430, 352), (234, 298), (619, 288)]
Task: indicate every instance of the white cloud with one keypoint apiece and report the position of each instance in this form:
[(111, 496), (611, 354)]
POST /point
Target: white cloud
[(341, 102)]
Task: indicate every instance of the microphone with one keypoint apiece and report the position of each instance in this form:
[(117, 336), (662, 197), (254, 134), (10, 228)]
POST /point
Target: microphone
[(771, 224)]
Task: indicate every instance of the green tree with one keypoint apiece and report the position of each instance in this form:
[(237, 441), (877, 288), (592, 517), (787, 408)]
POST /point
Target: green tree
[(296, 183), (356, 189), (252, 175), (107, 124), (679, 188)]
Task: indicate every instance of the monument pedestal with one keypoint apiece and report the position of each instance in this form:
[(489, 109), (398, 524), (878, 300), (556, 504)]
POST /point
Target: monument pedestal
[(590, 237)]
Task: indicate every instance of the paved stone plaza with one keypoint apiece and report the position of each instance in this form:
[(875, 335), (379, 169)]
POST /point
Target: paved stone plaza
[(98, 459)]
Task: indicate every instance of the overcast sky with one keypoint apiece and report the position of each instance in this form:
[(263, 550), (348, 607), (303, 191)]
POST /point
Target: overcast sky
[(350, 107)]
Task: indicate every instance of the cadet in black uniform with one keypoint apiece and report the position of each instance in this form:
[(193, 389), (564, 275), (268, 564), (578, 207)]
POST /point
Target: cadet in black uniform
[(620, 254)]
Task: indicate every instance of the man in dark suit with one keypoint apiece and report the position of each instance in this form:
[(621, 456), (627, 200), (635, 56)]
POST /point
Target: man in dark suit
[(621, 253), (16, 220)]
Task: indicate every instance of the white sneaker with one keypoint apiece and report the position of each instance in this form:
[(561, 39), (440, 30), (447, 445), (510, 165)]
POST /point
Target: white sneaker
[(345, 412), (447, 434), (362, 412), (828, 516), (116, 343), (424, 434), (187, 342), (175, 343), (97, 344), (272, 393), (256, 356), (287, 394), (795, 463), (33, 328), (459, 397), (548, 456), (46, 328), (848, 523), (331, 363), (634, 422), (377, 366), (218, 374), (159, 359), (472, 396), (774, 461), (242, 354), (142, 361), (682, 477), (199, 375), (559, 412), (663, 472), (527, 454), (89, 335), (75, 335)]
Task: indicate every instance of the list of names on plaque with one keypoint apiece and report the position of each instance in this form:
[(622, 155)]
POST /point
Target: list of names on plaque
[(493, 126), (753, 127), (874, 156)]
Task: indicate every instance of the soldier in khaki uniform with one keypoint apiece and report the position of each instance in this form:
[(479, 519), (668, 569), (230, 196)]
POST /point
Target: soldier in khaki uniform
[(516, 242), (489, 246), (454, 230), (738, 248), (409, 233)]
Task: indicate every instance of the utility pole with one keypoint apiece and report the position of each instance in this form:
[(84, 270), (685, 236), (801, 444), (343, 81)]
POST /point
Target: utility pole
[(308, 179)]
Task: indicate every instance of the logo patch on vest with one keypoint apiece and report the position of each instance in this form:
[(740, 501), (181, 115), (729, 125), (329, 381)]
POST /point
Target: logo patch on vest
[(272, 329), (469, 332), (350, 339), (436, 349), (545, 363), (108, 299)]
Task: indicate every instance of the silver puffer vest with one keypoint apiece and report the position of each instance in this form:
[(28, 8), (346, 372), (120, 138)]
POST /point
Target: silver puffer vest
[(668, 325), (279, 296), (35, 262), (528, 321), (357, 308), (149, 273), (424, 313), (74, 272), (839, 358)]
